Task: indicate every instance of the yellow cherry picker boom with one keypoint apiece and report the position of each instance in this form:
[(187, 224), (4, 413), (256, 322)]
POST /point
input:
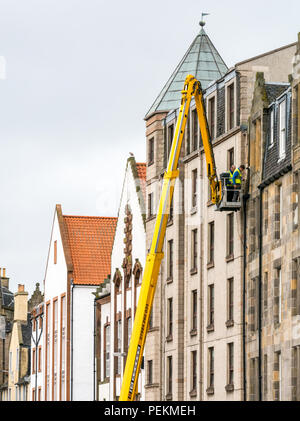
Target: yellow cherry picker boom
[(192, 88)]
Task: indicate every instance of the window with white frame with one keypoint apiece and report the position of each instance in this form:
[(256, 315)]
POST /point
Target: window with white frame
[(63, 347), (282, 129), (10, 362), (17, 359), (106, 350), (271, 143), (48, 320), (55, 346), (230, 106), (194, 188), (119, 336)]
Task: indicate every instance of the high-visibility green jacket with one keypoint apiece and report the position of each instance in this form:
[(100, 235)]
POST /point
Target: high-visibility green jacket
[(237, 176)]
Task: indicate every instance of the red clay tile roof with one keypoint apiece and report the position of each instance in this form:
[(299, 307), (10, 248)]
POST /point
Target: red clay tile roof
[(141, 170), (90, 239)]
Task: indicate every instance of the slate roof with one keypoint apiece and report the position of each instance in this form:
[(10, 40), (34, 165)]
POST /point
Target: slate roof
[(26, 332), (7, 298), (201, 60), (272, 166), (274, 90), (90, 240)]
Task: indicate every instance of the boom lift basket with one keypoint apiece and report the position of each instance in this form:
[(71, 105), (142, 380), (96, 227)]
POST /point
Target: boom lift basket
[(227, 203)]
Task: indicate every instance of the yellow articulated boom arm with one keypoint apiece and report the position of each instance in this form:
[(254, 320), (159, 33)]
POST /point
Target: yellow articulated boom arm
[(192, 87)]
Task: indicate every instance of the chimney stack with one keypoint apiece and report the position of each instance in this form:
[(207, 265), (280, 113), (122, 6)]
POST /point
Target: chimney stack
[(4, 279), (21, 304)]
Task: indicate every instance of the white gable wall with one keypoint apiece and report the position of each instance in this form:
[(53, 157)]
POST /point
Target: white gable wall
[(83, 343), (130, 197), (103, 386), (55, 285)]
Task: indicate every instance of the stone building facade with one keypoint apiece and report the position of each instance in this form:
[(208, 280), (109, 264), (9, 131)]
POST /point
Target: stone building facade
[(36, 308), (196, 343), (272, 265), (17, 387), (6, 319)]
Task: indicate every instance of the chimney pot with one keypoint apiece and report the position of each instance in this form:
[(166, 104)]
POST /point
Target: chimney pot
[(4, 272), (20, 288)]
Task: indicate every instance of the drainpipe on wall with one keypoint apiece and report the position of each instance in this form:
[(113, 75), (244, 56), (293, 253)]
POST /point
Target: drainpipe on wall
[(94, 353), (245, 198), (261, 188)]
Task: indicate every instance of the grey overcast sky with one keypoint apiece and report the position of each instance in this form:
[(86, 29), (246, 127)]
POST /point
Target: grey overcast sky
[(80, 77)]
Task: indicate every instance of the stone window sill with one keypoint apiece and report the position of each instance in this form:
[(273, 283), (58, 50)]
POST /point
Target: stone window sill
[(193, 393), (151, 386), (169, 280), (210, 265), (150, 163), (170, 222), (150, 218), (276, 243), (229, 323), (229, 258), (193, 332), (153, 329), (210, 328), (193, 210), (169, 338), (229, 387), (210, 390), (193, 271), (169, 397)]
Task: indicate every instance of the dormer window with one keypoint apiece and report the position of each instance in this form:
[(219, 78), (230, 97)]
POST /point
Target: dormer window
[(170, 137), (271, 128), (194, 130), (230, 106), (211, 117), (282, 129)]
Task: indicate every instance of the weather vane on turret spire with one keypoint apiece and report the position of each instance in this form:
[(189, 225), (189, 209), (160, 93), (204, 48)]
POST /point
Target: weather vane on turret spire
[(202, 23)]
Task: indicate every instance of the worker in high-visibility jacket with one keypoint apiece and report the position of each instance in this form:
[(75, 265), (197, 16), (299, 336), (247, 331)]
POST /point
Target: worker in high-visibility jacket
[(229, 183), (236, 181)]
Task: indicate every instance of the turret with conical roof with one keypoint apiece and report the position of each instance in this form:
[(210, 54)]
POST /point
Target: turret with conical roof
[(201, 60)]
